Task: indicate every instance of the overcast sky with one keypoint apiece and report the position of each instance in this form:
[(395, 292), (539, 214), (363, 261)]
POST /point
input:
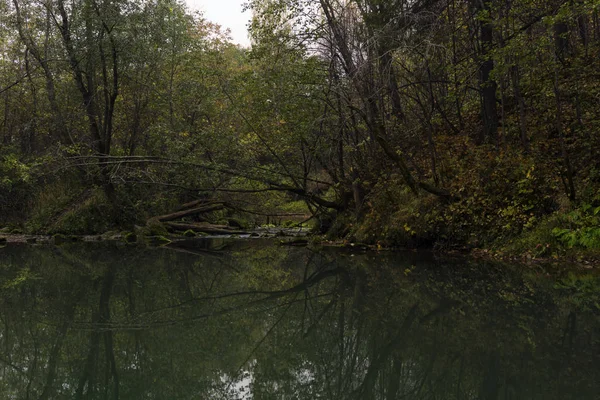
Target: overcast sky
[(228, 14)]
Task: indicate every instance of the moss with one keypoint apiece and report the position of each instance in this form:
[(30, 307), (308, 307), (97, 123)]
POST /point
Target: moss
[(157, 240), (129, 237), (298, 206), (59, 239), (110, 235), (189, 233), (50, 203), (155, 228), (237, 223), (90, 212)]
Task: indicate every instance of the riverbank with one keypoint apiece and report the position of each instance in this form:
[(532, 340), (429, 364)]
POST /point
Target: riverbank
[(570, 259), (148, 237)]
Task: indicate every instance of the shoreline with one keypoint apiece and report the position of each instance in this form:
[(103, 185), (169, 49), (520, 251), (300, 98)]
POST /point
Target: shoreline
[(291, 237)]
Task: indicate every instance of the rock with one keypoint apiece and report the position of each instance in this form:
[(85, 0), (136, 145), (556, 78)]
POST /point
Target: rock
[(155, 228), (58, 239), (236, 223), (129, 237), (157, 240)]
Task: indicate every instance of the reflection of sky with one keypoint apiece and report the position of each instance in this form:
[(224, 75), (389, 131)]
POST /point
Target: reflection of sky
[(228, 14), (235, 388), (241, 386)]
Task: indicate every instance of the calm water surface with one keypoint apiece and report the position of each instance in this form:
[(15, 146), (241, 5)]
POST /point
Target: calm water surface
[(249, 320)]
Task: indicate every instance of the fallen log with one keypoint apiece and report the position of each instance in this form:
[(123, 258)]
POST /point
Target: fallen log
[(187, 213), (205, 228), (195, 203)]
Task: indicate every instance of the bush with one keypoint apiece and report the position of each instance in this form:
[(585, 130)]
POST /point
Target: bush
[(15, 188), (583, 228)]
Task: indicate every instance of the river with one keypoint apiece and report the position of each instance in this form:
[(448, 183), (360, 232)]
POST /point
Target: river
[(247, 319)]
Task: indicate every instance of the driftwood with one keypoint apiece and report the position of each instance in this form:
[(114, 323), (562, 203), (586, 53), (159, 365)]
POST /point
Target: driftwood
[(204, 228), (187, 213)]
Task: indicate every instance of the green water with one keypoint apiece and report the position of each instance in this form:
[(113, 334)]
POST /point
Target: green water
[(249, 320)]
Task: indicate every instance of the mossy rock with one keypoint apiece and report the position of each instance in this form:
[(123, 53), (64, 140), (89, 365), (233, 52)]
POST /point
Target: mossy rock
[(157, 240), (155, 228), (59, 239), (237, 223), (129, 237), (111, 235), (189, 233)]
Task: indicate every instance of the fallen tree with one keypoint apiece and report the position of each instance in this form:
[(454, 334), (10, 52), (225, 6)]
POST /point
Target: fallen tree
[(204, 228), (190, 212)]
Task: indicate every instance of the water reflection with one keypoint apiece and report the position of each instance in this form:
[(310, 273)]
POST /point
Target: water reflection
[(244, 320)]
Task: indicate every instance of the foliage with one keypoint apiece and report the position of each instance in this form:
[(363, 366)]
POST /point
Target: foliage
[(583, 230), (15, 187), (415, 124)]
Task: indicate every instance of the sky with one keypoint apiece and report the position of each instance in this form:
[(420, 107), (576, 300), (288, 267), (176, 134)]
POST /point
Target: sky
[(228, 14)]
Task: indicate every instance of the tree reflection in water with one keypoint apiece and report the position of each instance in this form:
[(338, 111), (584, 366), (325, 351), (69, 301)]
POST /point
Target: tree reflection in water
[(245, 320)]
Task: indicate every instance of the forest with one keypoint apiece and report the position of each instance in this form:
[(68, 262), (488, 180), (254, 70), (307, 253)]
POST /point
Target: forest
[(443, 124)]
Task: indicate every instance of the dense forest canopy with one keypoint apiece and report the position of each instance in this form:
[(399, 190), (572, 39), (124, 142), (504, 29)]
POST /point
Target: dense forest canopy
[(425, 122)]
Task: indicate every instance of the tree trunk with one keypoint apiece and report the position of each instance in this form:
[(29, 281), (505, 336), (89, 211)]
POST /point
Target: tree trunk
[(515, 75), (205, 228), (570, 184), (487, 84), (187, 213)]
